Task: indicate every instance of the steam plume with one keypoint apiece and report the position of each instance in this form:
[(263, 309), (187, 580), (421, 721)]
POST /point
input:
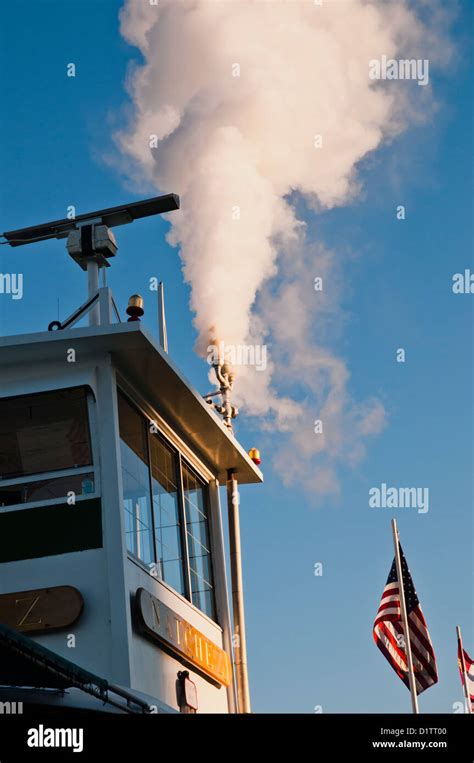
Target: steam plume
[(228, 105)]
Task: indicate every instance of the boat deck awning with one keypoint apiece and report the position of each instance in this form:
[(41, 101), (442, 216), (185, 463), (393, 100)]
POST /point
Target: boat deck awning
[(25, 663), (144, 364)]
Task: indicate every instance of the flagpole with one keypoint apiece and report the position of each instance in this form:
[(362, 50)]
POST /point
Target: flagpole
[(403, 609), (464, 671)]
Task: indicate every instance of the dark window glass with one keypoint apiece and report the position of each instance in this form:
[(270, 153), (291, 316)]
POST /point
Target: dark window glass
[(45, 432), (136, 482), (197, 524), (166, 513), (49, 530), (45, 490)]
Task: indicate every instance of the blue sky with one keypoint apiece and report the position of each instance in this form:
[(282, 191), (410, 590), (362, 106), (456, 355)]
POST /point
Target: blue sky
[(310, 638)]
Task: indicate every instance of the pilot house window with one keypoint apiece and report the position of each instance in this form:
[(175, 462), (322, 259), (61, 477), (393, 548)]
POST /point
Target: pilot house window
[(165, 510), (45, 447), (197, 528)]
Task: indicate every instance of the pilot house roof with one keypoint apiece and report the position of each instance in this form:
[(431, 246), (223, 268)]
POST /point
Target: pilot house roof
[(150, 370)]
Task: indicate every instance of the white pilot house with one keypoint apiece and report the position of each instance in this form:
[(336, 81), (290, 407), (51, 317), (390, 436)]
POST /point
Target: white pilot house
[(113, 589)]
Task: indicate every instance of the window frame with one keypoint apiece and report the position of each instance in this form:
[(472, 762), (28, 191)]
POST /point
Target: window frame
[(93, 468), (208, 510), (131, 402), (180, 458)]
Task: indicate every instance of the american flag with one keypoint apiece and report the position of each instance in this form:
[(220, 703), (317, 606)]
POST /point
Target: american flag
[(389, 635), (469, 671)]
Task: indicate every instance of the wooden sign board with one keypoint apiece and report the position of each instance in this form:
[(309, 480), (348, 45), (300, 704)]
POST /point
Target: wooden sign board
[(162, 624), (42, 609)]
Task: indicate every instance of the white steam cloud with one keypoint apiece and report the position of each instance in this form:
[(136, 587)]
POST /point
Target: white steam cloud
[(228, 105)]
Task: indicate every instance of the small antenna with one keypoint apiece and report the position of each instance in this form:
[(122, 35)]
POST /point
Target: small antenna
[(162, 316)]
